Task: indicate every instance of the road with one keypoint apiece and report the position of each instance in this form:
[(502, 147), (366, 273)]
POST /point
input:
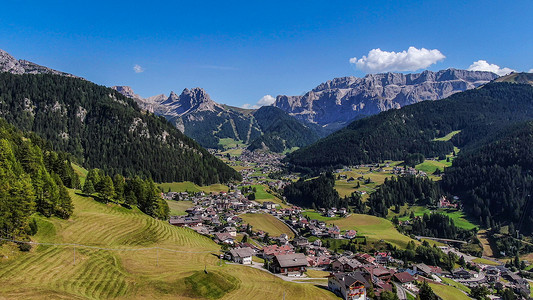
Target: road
[(400, 292)]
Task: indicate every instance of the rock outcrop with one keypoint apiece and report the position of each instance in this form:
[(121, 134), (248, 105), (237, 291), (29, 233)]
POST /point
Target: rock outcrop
[(9, 64), (337, 102)]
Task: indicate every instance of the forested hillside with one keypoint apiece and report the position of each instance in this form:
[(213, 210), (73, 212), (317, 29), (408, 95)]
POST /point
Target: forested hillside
[(412, 129), (32, 179), (106, 130), (280, 131), (496, 180)]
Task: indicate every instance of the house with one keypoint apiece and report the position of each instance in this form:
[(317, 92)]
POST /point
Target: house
[(300, 242), (345, 264), (270, 251), (294, 264), (365, 258), (445, 203), (224, 237), (403, 278), (334, 232), (242, 255), (231, 231), (350, 234), (383, 257), (352, 286), (185, 221), (318, 261), (269, 205), (423, 270), (461, 274)]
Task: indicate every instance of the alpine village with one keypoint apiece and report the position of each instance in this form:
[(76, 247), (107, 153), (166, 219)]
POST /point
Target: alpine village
[(390, 185)]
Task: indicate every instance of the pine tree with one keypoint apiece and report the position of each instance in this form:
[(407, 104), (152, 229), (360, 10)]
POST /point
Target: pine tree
[(107, 189), (88, 187)]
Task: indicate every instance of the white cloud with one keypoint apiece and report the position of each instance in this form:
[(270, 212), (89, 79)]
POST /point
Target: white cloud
[(138, 69), (249, 106), (266, 100), (413, 59), (530, 71), (483, 65)]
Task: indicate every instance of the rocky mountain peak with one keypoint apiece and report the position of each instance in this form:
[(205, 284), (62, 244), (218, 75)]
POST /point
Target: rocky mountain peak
[(126, 91), (9, 64), (337, 102)]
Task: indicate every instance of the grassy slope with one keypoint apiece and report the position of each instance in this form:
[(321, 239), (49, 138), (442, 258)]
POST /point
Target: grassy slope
[(448, 292), (267, 223), (459, 217), (177, 208), (374, 228), (456, 284), (49, 272)]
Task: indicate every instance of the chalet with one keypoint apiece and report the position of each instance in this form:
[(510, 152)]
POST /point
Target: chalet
[(224, 238), (365, 258), (445, 203), (269, 205), (300, 242), (345, 264), (334, 232), (342, 211), (242, 255), (231, 231), (185, 221), (461, 274), (330, 214), (350, 234), (379, 272), (383, 257), (318, 261), (270, 251), (492, 273), (352, 286), (294, 264), (403, 278), (423, 270)]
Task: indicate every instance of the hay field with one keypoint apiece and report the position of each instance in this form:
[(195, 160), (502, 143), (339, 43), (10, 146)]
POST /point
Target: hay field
[(50, 271)]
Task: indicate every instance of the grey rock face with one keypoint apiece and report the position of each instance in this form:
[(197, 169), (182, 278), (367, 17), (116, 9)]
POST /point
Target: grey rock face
[(9, 64), (335, 103)]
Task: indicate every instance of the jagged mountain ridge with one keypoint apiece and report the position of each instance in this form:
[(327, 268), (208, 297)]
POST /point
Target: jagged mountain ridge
[(337, 102), (11, 65), (198, 116)]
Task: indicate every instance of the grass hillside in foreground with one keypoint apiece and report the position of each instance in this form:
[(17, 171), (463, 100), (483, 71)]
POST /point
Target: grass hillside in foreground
[(50, 272), (374, 228), (267, 223)]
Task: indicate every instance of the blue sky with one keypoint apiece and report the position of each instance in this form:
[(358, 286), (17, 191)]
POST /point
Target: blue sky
[(240, 51)]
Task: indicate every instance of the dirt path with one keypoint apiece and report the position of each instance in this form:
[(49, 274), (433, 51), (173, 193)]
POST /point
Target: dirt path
[(487, 249)]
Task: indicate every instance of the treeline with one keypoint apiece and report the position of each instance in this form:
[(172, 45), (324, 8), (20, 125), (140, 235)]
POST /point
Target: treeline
[(427, 254), (495, 181), (398, 191), (103, 129), (315, 193), (412, 129), (31, 180), (437, 225), (135, 191)]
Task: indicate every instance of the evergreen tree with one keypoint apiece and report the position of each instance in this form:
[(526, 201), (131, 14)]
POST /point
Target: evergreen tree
[(107, 190), (88, 187)]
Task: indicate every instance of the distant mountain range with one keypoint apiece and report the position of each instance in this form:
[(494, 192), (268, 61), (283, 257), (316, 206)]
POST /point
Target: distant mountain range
[(198, 116), (328, 107), (335, 103)]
